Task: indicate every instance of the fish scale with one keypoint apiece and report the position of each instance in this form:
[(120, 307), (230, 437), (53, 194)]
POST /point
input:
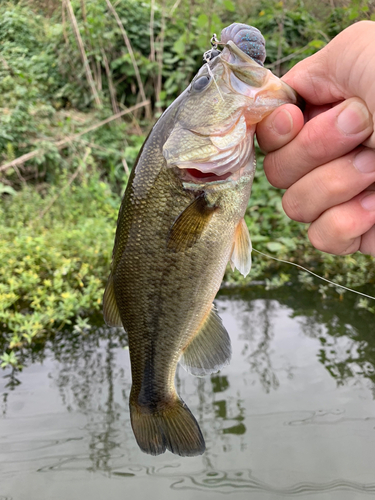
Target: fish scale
[(175, 236)]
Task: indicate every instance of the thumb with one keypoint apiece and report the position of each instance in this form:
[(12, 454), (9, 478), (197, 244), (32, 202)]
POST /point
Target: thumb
[(344, 68), (336, 72)]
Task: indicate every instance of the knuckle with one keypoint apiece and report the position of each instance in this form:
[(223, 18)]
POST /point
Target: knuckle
[(318, 239), (314, 143), (293, 207), (331, 184), (367, 245), (353, 246), (335, 234), (343, 227), (274, 169)]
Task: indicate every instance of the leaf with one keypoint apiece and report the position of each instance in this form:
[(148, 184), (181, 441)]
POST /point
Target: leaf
[(216, 23), (316, 44), (228, 4), (354, 13), (202, 20), (6, 189), (179, 45), (274, 246)]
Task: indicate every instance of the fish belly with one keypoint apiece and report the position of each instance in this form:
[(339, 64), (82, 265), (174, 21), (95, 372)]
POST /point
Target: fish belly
[(164, 297)]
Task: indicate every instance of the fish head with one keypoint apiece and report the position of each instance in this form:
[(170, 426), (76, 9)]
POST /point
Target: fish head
[(212, 139)]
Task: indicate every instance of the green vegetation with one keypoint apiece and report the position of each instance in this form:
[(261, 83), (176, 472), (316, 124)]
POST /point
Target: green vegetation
[(65, 67)]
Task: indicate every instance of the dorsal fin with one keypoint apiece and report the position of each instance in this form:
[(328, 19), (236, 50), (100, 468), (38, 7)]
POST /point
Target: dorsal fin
[(241, 253), (210, 349), (110, 309)]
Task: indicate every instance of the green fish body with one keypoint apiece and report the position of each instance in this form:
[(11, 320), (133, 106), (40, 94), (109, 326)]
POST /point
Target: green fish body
[(180, 223)]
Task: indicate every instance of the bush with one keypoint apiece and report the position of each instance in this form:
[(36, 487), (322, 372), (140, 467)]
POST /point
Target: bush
[(53, 268)]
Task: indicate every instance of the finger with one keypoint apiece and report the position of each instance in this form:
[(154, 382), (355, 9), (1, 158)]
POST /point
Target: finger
[(329, 185), (328, 76), (279, 128), (324, 138), (342, 69), (311, 111), (339, 230), (368, 242)]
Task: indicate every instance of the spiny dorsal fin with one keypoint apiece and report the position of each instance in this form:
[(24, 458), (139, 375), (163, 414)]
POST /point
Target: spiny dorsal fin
[(210, 350), (110, 309), (190, 224), (241, 254)]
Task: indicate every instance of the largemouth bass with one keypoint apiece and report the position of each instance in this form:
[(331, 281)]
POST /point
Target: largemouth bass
[(180, 223)]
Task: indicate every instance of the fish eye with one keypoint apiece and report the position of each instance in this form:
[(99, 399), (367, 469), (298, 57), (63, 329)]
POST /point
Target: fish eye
[(201, 83)]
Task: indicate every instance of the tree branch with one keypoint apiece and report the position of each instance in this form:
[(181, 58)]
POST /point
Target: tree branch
[(131, 53), (85, 61), (111, 87), (65, 142)]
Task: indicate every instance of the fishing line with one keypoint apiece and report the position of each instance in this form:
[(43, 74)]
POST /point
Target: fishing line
[(213, 78), (316, 275)]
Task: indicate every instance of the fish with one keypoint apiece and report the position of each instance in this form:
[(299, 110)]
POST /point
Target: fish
[(180, 222)]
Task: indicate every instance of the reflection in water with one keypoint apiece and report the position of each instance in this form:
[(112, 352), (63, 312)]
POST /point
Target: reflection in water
[(258, 324), (346, 333), (232, 481), (86, 382), (293, 413), (224, 482)]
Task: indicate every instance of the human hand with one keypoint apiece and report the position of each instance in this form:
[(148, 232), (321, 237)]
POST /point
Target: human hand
[(327, 164)]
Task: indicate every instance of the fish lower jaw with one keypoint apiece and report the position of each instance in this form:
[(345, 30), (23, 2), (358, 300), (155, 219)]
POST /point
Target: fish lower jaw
[(196, 176), (193, 174)]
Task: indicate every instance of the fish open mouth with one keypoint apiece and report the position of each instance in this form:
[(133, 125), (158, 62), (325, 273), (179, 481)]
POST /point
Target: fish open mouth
[(212, 158), (195, 175)]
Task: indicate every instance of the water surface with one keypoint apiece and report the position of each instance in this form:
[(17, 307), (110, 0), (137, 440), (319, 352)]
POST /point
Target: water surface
[(293, 416)]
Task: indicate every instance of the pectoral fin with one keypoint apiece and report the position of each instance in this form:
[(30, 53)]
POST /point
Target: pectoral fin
[(190, 224), (210, 349), (110, 309), (241, 254)]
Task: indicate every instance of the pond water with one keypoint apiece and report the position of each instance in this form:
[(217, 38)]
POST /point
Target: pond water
[(292, 416)]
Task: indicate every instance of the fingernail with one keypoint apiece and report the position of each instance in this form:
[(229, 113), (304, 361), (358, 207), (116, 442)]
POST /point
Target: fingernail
[(283, 122), (364, 161), (368, 202), (353, 118)]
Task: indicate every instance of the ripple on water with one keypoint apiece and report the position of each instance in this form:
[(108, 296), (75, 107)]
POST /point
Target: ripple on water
[(297, 425)]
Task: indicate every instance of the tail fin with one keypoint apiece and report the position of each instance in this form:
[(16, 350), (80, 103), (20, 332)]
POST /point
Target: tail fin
[(173, 428)]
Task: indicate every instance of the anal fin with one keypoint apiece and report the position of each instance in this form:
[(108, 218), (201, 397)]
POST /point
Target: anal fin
[(241, 254), (210, 350), (110, 309)]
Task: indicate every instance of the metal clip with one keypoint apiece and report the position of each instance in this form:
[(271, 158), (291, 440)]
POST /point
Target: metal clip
[(207, 56), (213, 52), (214, 40)]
